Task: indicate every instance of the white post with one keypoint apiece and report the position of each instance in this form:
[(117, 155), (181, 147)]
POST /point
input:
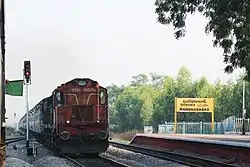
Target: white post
[(34, 149), (243, 108), (183, 127), (201, 128), (243, 98), (27, 113), (15, 122)]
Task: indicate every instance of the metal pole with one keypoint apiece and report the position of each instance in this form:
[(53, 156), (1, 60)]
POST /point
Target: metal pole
[(243, 108), (2, 89), (27, 113), (2, 101)]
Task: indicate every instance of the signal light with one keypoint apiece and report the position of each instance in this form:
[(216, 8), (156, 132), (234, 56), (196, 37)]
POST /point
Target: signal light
[(27, 71)]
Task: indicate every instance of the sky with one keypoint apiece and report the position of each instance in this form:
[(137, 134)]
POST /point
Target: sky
[(109, 41)]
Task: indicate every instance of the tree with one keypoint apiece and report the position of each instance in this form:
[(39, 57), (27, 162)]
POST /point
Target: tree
[(228, 20), (113, 92), (152, 102), (140, 79), (163, 106), (156, 80), (128, 111), (9, 131)]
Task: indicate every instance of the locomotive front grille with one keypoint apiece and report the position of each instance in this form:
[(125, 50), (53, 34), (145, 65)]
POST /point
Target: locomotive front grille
[(83, 113)]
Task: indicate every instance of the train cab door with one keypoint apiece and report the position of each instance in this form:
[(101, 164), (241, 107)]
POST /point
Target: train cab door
[(57, 100)]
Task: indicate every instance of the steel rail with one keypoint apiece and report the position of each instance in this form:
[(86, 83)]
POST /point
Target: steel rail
[(113, 162), (185, 159), (72, 160), (12, 140)]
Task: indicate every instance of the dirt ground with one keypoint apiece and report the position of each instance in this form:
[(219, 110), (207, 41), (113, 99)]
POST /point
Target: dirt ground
[(2, 156)]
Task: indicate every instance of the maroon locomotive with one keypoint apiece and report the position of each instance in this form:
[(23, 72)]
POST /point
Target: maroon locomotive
[(74, 119)]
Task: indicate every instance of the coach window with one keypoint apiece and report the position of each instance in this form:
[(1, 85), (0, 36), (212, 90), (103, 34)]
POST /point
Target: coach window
[(102, 97)]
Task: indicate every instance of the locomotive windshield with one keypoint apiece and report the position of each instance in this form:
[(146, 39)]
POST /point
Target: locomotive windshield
[(80, 98)]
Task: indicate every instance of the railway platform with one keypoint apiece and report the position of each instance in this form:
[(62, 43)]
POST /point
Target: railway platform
[(227, 147), (204, 137)]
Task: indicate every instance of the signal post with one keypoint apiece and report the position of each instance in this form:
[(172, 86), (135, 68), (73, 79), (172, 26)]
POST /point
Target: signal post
[(27, 82)]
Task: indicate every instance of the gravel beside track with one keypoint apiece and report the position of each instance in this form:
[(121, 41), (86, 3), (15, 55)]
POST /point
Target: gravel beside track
[(94, 162), (45, 157), (137, 159)]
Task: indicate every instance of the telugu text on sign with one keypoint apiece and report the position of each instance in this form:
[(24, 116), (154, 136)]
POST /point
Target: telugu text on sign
[(194, 104)]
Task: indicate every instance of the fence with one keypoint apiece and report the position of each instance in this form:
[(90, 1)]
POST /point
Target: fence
[(191, 128), (231, 125)]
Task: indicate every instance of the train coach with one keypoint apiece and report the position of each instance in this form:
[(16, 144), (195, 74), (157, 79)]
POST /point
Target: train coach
[(73, 120)]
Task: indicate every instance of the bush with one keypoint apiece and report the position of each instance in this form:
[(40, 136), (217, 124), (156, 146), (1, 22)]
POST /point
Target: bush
[(9, 131), (124, 136)]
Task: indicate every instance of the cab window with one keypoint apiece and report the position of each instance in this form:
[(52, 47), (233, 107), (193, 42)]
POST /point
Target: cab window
[(58, 98), (102, 97)]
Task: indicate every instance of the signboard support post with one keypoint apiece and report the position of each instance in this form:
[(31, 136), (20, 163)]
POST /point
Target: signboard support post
[(212, 120), (175, 115)]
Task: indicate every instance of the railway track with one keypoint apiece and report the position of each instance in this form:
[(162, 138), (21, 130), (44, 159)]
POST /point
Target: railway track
[(113, 163), (109, 162), (184, 159), (14, 139)]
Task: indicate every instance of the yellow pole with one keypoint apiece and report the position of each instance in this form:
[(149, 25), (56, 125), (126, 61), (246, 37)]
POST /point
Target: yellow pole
[(212, 113), (175, 115)]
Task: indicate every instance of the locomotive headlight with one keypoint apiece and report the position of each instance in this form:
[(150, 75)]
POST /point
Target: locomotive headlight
[(65, 135), (102, 135), (67, 122)]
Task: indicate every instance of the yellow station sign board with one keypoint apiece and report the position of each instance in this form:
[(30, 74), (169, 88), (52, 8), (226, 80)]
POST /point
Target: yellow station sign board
[(194, 104)]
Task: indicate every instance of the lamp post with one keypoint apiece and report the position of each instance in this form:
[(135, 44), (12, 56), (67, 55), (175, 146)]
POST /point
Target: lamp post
[(243, 108)]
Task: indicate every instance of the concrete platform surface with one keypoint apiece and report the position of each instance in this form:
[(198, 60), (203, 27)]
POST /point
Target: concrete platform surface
[(231, 140)]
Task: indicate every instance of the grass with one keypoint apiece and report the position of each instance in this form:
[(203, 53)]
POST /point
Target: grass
[(123, 137)]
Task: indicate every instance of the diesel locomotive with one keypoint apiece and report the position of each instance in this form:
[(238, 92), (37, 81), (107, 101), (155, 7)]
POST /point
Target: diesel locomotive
[(73, 119)]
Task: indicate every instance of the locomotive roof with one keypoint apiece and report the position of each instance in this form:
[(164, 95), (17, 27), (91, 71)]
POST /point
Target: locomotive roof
[(76, 79)]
